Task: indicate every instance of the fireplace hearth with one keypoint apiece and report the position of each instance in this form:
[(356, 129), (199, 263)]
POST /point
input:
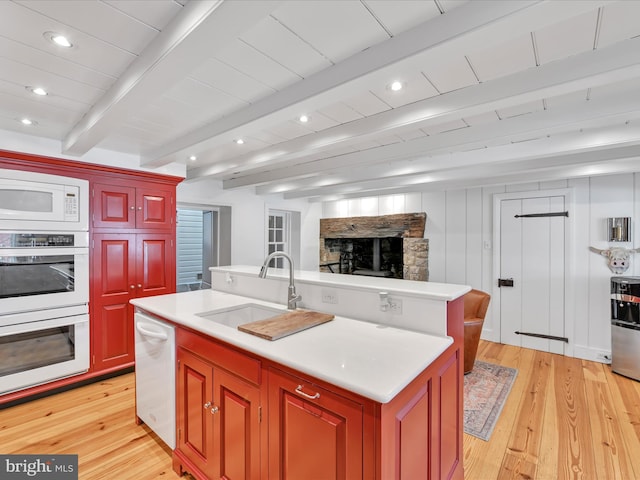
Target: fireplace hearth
[(379, 257), (390, 246)]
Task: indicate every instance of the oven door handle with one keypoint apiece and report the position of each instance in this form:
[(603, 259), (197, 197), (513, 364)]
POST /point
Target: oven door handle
[(150, 333)]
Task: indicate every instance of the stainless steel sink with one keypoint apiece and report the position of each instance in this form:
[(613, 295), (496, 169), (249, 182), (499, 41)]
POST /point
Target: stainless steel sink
[(241, 314)]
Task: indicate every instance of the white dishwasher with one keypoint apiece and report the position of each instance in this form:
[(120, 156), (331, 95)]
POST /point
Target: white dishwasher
[(155, 376)]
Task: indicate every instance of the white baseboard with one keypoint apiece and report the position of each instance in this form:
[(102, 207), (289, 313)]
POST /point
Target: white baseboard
[(578, 351), (490, 335), (593, 354)]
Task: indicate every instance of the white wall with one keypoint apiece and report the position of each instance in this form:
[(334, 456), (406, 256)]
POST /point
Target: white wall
[(460, 232), (18, 142), (248, 220), (459, 228)]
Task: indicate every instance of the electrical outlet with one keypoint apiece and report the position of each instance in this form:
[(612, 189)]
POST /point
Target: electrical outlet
[(395, 306), (604, 357), (329, 296)]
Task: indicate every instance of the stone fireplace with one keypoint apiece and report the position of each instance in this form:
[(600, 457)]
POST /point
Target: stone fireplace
[(390, 246)]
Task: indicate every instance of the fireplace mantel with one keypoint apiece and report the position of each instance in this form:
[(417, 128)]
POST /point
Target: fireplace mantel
[(404, 225), (408, 227)]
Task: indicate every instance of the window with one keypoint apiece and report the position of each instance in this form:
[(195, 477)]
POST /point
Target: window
[(278, 236)]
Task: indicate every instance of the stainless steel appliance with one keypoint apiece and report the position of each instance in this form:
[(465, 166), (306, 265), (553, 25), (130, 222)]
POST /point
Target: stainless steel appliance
[(625, 326), (155, 376), (44, 279)]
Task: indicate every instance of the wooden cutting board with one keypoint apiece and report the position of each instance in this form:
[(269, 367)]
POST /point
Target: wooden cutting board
[(286, 324)]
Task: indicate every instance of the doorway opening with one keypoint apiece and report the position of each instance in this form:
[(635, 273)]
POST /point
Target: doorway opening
[(203, 236)]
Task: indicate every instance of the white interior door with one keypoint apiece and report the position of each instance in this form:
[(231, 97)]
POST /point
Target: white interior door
[(532, 241)]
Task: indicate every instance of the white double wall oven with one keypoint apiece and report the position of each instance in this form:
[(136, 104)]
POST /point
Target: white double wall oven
[(44, 278)]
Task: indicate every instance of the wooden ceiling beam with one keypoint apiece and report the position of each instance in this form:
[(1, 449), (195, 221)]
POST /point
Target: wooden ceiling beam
[(576, 73), (348, 77), (199, 29), (455, 33), (582, 164), (608, 114)]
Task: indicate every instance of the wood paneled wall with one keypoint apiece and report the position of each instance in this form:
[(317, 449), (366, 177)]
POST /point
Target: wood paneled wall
[(460, 232)]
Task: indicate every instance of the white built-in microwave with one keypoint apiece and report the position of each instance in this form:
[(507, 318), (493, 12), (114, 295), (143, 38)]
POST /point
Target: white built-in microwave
[(43, 202)]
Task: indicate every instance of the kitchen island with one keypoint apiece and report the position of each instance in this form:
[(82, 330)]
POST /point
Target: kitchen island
[(345, 399)]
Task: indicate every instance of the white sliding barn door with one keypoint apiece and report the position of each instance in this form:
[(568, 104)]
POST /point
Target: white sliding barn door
[(531, 257)]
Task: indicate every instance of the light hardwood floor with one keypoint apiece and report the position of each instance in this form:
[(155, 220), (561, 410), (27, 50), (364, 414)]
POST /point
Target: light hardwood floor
[(96, 422), (564, 419)]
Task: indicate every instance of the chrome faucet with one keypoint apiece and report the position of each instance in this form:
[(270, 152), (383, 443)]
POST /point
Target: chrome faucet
[(293, 298)]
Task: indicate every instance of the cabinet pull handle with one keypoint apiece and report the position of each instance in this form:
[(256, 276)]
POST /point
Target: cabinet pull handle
[(207, 405), (312, 397), (215, 409)]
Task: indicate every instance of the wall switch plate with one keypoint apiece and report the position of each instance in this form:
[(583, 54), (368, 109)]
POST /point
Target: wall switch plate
[(329, 295)]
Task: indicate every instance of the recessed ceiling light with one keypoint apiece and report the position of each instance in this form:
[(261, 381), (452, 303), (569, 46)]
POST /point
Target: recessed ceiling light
[(193, 158), (59, 40), (37, 91), (303, 118), (239, 141), (62, 41), (27, 121), (395, 86)]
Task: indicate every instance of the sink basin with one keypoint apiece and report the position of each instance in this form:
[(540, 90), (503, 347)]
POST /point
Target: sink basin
[(240, 314)]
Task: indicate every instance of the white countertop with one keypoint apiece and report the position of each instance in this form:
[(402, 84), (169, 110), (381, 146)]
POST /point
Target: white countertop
[(374, 361), (433, 290)]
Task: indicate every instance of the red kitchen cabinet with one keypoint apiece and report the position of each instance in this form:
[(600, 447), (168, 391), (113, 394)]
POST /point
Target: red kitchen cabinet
[(136, 205), (130, 265), (218, 415), (155, 264), (420, 430), (420, 433), (132, 255), (293, 426), (121, 206), (194, 403), (313, 432), (236, 426)]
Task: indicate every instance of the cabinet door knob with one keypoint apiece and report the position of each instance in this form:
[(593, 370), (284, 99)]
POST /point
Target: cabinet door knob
[(215, 410), (207, 405), (312, 397), (139, 285), (132, 207), (133, 287), (139, 208)]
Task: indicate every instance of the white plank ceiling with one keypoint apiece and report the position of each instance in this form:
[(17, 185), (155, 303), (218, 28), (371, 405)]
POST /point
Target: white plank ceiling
[(492, 91)]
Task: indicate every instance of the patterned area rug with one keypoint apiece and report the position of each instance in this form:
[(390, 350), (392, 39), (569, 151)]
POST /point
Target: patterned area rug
[(485, 391)]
